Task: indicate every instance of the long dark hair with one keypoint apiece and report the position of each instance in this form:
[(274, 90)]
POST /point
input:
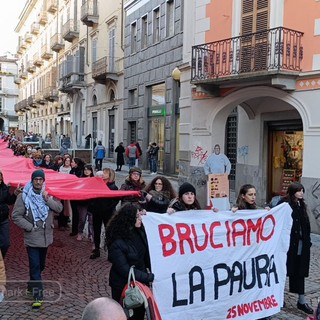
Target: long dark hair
[(240, 203), (166, 186), (292, 200), (122, 223)]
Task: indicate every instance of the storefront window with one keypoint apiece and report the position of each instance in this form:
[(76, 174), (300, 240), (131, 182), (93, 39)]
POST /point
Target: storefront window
[(157, 113), (287, 159)]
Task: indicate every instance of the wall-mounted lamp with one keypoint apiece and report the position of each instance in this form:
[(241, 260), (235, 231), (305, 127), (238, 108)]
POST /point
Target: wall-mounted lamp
[(114, 107), (176, 73)]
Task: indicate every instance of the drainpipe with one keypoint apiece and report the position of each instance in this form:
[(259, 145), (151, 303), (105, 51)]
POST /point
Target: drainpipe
[(122, 25)]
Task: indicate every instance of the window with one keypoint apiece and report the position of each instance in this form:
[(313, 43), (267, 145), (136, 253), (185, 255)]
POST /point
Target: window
[(94, 100), (134, 37), (156, 25), (112, 96), (170, 18), (0, 104), (158, 94), (112, 42), (231, 144), (94, 125), (94, 50), (132, 131), (144, 32), (133, 97), (0, 83)]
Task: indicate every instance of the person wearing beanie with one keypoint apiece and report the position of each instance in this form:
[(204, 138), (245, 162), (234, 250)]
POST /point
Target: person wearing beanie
[(38, 174), (134, 182), (186, 199), (33, 212)]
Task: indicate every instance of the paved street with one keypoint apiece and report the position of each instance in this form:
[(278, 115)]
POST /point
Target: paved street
[(82, 279)]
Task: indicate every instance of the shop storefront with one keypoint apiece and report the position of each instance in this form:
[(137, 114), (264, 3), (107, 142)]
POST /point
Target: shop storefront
[(285, 164), (156, 130)]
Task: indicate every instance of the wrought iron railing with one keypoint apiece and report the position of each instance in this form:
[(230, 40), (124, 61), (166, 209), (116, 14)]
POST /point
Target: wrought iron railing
[(277, 49)]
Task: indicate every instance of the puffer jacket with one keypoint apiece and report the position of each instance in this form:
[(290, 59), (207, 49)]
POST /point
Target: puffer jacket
[(41, 235)]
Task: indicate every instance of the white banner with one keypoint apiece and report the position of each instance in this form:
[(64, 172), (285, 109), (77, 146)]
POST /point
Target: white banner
[(219, 265)]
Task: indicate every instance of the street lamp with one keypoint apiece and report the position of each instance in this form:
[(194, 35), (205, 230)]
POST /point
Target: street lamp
[(176, 74)]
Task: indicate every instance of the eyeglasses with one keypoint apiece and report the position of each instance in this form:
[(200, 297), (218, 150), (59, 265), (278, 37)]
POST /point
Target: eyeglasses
[(136, 174)]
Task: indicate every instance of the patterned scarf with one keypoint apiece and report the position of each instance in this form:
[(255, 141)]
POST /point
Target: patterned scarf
[(36, 203)]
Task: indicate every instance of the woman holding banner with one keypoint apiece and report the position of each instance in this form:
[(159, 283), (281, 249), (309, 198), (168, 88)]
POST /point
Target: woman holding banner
[(187, 199), (158, 194), (298, 256), (246, 200), (127, 246)]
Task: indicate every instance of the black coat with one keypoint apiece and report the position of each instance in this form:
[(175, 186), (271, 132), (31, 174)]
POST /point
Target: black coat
[(124, 253), (5, 199), (299, 223), (104, 205), (120, 150), (158, 203)]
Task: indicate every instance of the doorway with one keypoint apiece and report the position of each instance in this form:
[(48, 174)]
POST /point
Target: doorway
[(285, 156)]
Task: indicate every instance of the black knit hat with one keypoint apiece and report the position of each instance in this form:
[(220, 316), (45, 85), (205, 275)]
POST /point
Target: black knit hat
[(37, 174), (186, 187), (135, 169)]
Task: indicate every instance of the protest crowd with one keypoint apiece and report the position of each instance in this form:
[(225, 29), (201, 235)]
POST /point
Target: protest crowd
[(116, 224)]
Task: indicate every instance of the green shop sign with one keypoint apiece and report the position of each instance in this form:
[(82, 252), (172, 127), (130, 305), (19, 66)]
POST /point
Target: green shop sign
[(156, 111)]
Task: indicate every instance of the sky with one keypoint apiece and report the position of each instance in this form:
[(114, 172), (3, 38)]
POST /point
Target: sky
[(9, 13)]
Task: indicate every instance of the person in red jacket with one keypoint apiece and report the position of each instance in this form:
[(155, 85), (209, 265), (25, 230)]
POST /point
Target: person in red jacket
[(132, 153)]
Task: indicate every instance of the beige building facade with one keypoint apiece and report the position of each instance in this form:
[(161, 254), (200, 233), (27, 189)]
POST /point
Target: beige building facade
[(70, 70)]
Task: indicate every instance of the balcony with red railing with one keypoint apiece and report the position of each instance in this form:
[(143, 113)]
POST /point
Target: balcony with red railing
[(257, 56)]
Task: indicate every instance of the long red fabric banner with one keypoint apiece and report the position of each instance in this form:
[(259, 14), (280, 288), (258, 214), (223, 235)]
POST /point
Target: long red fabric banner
[(17, 170)]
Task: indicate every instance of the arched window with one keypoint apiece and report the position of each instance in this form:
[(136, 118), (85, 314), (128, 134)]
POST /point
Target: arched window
[(112, 96), (94, 100)]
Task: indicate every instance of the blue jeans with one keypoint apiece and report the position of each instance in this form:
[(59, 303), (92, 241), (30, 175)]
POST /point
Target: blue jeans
[(37, 260), (154, 165), (98, 163), (132, 162)]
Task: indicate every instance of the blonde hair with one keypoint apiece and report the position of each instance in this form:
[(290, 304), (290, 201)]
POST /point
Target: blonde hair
[(111, 173)]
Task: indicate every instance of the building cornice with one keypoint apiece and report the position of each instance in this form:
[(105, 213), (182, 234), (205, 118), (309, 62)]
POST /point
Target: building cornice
[(24, 14)]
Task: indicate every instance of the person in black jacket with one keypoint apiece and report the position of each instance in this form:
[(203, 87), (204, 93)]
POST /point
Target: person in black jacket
[(120, 150), (5, 199), (127, 245), (102, 210), (298, 256), (158, 194), (187, 199)]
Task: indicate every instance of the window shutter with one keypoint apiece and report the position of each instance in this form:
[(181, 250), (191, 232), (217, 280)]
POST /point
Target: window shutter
[(253, 49)]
